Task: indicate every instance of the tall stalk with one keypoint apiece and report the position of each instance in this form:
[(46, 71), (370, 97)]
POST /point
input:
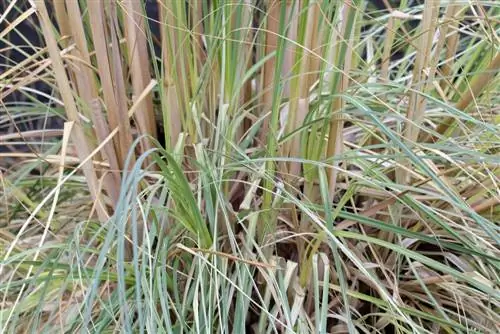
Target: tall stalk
[(273, 96)]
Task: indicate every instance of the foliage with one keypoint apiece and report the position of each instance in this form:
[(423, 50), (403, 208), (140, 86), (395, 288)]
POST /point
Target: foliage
[(271, 166)]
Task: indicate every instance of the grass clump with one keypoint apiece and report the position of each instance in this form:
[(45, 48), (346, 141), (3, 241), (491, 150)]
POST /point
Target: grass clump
[(270, 166)]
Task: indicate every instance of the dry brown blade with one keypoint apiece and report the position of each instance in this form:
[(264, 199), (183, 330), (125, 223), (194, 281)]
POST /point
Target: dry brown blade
[(245, 52), (417, 102), (62, 20), (484, 205), (421, 75), (271, 37), (451, 11), (113, 179), (316, 38), (84, 81), (182, 55), (63, 23), (78, 135), (200, 59), (451, 20), (246, 90), (46, 133), (119, 84), (198, 43), (291, 14), (139, 68), (50, 159), (336, 135), (299, 105), (84, 75), (286, 68), (111, 98), (176, 90)]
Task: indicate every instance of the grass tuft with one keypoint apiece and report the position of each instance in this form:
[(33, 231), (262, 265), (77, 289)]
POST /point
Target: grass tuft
[(294, 166)]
